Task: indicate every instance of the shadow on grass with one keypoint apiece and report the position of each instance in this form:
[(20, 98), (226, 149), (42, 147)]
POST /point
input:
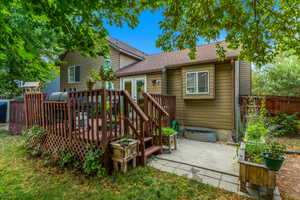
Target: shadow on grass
[(25, 178)]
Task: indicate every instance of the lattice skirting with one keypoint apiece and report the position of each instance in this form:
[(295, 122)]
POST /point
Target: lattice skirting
[(54, 142)]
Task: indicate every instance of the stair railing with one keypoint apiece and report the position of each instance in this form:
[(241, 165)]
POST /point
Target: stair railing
[(156, 114), (135, 121)]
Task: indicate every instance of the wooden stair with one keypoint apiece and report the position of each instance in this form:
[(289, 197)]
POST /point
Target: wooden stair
[(150, 149)]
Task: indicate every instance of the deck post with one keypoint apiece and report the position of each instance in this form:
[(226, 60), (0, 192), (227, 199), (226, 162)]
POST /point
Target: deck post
[(26, 110), (103, 112), (126, 115)]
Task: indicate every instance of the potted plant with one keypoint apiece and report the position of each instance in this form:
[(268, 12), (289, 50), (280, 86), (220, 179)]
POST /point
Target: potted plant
[(251, 162), (169, 138), (90, 84), (273, 155), (124, 150), (94, 77)]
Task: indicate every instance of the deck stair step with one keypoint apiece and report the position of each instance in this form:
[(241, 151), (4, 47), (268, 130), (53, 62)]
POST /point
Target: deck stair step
[(146, 139), (151, 150)]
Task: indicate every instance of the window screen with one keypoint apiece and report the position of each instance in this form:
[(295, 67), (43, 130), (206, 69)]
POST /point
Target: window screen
[(74, 74), (197, 82)]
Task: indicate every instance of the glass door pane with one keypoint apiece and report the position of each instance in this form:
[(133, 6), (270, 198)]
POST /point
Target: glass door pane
[(140, 89), (128, 86)]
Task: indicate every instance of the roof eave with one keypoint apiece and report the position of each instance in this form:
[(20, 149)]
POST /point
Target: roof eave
[(126, 52), (174, 66)]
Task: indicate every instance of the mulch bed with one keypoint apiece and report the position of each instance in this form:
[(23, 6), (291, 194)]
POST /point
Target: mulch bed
[(288, 178)]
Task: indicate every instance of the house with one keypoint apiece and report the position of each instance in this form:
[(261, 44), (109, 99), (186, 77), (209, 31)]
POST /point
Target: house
[(207, 90)]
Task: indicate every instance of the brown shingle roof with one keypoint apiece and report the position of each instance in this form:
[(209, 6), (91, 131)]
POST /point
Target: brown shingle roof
[(125, 48), (156, 62)]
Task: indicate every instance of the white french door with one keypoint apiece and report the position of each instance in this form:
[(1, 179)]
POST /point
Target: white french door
[(135, 87)]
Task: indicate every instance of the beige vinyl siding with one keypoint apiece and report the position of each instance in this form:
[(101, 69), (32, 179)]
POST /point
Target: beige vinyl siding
[(214, 113), (115, 59), (154, 88), (245, 78), (126, 60), (86, 63)]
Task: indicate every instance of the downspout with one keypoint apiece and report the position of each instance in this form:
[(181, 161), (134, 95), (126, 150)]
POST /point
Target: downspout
[(237, 98), (164, 81)]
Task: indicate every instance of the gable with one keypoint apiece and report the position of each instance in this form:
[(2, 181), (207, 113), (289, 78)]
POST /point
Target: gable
[(126, 60)]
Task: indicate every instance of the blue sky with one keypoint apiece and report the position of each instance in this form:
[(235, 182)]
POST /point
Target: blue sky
[(143, 37)]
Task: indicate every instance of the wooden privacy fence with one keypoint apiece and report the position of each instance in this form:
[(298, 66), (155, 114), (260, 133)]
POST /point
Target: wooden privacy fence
[(93, 117), (273, 104), (16, 116)]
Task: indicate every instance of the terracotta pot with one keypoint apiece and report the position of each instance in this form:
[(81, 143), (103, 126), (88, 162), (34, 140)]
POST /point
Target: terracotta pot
[(90, 85)]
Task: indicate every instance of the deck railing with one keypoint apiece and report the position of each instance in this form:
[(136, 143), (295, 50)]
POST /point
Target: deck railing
[(97, 117), (168, 103), (157, 116)]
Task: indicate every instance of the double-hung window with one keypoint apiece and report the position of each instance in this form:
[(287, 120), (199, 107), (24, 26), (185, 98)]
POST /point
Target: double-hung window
[(74, 74), (197, 82)]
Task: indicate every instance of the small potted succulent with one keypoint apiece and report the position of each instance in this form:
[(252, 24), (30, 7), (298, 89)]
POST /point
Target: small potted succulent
[(273, 155)]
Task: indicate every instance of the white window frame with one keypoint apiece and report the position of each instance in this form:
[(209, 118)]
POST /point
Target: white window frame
[(197, 79), (69, 72), (134, 84)]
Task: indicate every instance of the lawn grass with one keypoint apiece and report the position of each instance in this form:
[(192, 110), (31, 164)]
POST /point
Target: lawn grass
[(24, 178)]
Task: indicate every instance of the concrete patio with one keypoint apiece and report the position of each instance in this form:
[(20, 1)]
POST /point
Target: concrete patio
[(210, 163), (214, 156)]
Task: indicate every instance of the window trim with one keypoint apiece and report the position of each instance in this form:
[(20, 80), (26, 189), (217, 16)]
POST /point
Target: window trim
[(69, 68), (197, 88)]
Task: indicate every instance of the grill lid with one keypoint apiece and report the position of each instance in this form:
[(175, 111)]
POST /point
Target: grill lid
[(58, 96)]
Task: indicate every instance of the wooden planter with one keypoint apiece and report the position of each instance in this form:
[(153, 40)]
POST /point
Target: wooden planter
[(123, 154), (257, 174), (170, 142)]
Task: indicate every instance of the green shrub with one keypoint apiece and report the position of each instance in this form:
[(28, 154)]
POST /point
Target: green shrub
[(256, 132), (92, 163), (33, 139), (67, 159), (254, 151), (166, 131), (284, 124), (50, 158)]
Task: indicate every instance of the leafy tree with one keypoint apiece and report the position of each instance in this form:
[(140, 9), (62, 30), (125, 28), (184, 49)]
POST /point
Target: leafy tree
[(28, 49), (281, 77), (262, 28), (34, 33)]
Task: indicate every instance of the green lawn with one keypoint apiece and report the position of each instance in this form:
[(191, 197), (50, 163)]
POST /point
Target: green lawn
[(25, 178)]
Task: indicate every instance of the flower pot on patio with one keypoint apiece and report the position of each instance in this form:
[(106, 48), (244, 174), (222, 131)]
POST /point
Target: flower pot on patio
[(169, 139), (256, 174), (273, 164), (273, 155), (124, 150)]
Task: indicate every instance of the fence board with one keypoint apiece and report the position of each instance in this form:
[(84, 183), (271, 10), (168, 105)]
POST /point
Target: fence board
[(273, 104), (17, 116)]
